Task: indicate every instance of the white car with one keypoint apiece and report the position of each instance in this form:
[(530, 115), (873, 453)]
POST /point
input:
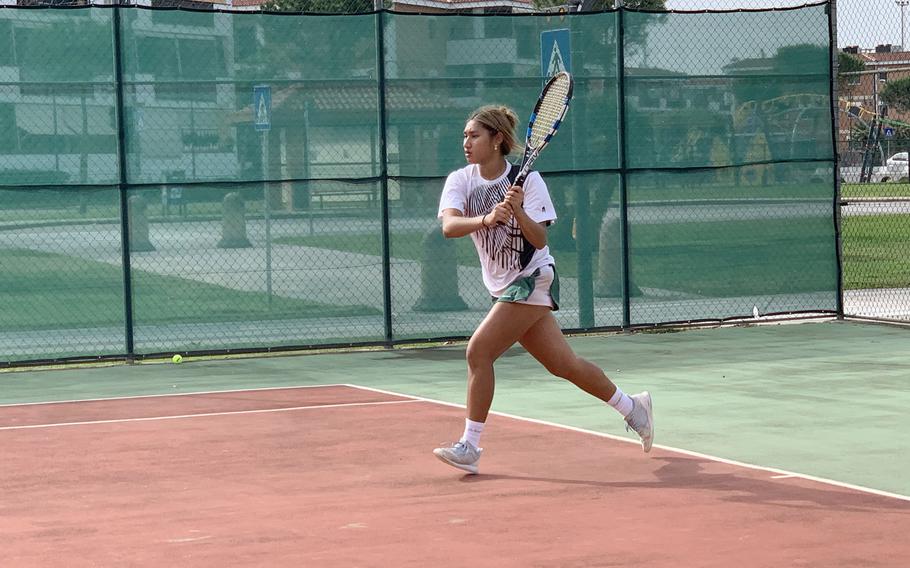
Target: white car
[(899, 159), (896, 168)]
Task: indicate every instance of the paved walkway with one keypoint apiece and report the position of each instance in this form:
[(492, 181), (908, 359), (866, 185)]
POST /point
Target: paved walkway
[(189, 251)]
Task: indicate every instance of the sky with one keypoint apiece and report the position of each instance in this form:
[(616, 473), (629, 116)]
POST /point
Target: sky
[(704, 44), (866, 23)]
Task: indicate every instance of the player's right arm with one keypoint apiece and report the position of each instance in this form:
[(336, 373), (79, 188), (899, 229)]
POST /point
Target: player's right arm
[(453, 202), (455, 224)]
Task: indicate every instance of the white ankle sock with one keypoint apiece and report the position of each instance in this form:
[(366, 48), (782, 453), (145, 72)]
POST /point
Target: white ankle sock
[(621, 402), (472, 432)]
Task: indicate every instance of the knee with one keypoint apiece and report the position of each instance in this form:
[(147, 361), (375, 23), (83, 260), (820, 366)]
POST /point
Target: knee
[(478, 356), (565, 368)]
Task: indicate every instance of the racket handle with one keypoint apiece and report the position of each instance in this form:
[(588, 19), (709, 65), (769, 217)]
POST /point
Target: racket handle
[(520, 179)]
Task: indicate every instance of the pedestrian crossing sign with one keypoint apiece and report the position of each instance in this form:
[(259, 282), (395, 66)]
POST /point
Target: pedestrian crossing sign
[(262, 107), (555, 52)]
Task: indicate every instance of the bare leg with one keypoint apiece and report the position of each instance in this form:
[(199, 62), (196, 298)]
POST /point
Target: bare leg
[(503, 326), (545, 341)]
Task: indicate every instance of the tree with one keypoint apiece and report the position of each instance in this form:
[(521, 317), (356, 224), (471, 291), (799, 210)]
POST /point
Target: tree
[(320, 6), (847, 63), (800, 59), (645, 4), (896, 94), (598, 5)]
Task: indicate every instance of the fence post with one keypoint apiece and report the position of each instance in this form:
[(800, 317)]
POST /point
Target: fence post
[(123, 189), (384, 181), (835, 131), (623, 188)]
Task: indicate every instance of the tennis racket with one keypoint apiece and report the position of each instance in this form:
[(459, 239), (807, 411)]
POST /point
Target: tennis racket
[(546, 117)]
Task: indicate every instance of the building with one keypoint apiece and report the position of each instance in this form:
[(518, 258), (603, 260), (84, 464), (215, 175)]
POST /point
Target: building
[(860, 104), (862, 90)]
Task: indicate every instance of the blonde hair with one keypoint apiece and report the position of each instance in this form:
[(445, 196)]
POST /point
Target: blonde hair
[(497, 118)]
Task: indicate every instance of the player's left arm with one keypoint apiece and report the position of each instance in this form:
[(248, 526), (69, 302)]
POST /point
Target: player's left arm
[(534, 232), (534, 225)]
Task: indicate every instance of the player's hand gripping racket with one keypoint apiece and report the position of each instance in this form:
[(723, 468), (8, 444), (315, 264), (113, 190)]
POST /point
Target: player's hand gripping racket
[(548, 113)]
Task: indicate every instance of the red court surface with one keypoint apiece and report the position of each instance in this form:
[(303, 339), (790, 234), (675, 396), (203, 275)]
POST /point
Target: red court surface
[(340, 476)]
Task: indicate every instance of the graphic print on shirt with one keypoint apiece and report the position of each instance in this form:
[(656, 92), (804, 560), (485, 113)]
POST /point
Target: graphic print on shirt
[(504, 244)]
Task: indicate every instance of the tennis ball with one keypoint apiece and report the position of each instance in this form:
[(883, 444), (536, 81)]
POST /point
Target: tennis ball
[(177, 358)]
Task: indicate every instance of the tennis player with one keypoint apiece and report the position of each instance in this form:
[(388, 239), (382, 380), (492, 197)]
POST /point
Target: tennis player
[(508, 225)]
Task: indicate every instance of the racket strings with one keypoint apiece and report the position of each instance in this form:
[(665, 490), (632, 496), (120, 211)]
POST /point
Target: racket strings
[(551, 110)]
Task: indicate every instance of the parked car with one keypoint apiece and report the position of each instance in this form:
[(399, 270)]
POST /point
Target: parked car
[(899, 159), (848, 174), (897, 168)]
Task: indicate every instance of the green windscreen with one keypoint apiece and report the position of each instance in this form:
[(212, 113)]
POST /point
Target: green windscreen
[(729, 147), (277, 177)]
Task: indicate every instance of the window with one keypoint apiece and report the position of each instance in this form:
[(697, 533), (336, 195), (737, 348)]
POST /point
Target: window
[(204, 19), (528, 42), (201, 59), (246, 46), (7, 57), (191, 62), (52, 3), (69, 49), (461, 28), (498, 27), (157, 56), (10, 141)]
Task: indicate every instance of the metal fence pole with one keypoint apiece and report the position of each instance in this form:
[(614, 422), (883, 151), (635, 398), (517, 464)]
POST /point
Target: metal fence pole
[(835, 131), (123, 189), (384, 181), (623, 188)]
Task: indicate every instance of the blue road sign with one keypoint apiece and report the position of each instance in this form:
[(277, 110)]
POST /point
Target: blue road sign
[(555, 52), (889, 132), (262, 107)]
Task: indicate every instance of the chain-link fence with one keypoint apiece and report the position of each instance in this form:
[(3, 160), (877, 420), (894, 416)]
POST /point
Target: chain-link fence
[(873, 140), (193, 180)]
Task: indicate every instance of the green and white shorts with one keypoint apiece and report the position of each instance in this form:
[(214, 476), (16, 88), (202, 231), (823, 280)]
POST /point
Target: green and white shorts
[(541, 288)]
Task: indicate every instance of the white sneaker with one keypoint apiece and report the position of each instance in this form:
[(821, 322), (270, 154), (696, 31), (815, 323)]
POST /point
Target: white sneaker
[(641, 419), (462, 455)]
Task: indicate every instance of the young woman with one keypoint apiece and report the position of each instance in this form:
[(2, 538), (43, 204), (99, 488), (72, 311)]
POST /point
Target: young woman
[(508, 225)]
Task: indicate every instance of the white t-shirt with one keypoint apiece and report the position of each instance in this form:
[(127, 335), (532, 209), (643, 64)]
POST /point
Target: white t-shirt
[(505, 255)]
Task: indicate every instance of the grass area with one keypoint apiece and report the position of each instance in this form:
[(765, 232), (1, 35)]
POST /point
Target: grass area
[(667, 188), (735, 258), (710, 259), (805, 191), (644, 188), (719, 258), (872, 190), (876, 251), (43, 290), (111, 213)]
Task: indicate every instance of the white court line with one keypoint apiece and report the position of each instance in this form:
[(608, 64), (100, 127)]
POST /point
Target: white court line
[(206, 414), (782, 473), (190, 539), (170, 394)]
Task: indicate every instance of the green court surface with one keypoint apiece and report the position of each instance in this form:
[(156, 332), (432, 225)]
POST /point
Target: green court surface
[(824, 399)]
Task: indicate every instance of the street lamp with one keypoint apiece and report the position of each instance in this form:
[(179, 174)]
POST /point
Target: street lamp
[(903, 4)]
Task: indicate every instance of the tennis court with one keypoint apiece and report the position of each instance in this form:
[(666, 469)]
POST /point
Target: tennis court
[(776, 445)]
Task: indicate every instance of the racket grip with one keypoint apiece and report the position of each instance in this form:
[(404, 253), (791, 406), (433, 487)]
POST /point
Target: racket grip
[(520, 179)]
